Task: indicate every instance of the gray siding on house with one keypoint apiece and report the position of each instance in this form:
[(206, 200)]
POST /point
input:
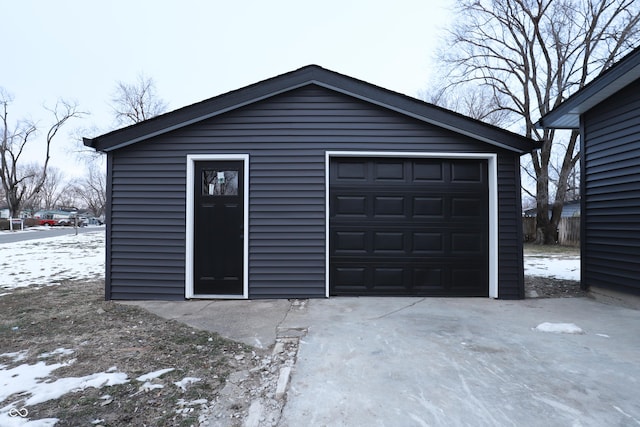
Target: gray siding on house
[(510, 257), (286, 137), (611, 192)]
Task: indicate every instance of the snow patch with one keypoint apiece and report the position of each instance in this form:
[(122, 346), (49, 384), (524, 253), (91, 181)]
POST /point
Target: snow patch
[(567, 268), (559, 328), (17, 356), (185, 382), (150, 386), (58, 351), (51, 260), (154, 374)]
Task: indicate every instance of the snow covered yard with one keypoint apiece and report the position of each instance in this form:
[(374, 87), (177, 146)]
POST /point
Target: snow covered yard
[(51, 260), (556, 262), (67, 356)]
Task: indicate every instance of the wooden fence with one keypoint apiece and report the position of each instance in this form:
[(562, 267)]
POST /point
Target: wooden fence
[(568, 230)]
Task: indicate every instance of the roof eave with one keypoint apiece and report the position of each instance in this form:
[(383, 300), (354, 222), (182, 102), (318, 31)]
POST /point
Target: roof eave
[(319, 76), (567, 114)]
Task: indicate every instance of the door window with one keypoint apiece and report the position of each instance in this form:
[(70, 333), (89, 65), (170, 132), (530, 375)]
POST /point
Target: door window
[(219, 182)]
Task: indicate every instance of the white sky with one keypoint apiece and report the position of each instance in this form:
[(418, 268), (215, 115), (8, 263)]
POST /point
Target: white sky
[(195, 50)]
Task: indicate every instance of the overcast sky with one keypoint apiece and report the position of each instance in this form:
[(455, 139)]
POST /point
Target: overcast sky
[(195, 50)]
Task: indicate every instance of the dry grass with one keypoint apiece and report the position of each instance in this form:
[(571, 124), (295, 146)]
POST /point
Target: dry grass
[(103, 335)]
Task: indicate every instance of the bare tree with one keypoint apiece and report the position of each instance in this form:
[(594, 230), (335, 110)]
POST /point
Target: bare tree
[(68, 199), (52, 188), (12, 145), (532, 54), (136, 102), (92, 190), (474, 101), (32, 173)]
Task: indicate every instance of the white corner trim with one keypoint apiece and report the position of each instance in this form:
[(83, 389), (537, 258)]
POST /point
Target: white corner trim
[(492, 161), (190, 226)]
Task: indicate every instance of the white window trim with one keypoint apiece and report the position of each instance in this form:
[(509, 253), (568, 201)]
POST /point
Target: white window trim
[(190, 226), (493, 201)]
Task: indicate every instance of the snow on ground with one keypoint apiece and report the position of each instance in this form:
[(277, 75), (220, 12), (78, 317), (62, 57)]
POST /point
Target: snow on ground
[(50, 260), (36, 383), (559, 328), (44, 262), (565, 267)]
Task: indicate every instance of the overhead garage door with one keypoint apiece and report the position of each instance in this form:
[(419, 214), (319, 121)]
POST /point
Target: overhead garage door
[(408, 227)]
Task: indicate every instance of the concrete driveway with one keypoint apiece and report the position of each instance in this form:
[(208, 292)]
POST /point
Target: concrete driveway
[(444, 361), (464, 362)]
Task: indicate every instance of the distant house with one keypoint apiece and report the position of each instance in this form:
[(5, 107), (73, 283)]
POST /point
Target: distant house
[(607, 113), (312, 184), (570, 209), (4, 212)]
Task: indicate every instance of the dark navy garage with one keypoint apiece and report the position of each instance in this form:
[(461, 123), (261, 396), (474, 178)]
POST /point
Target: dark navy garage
[(312, 184)]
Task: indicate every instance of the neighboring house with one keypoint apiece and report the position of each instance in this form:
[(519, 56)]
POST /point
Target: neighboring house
[(312, 184), (607, 113), (569, 209), (5, 213)]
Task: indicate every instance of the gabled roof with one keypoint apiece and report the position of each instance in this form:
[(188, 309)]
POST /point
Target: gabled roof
[(312, 75), (567, 114)]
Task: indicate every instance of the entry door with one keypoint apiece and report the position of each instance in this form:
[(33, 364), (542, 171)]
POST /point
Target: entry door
[(218, 227)]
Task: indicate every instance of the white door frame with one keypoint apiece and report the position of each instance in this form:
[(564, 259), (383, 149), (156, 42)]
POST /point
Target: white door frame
[(190, 226), (493, 201)]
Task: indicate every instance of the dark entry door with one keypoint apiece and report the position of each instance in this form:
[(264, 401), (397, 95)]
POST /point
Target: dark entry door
[(408, 227), (218, 227)]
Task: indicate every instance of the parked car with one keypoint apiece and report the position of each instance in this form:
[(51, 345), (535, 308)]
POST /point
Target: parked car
[(82, 221)]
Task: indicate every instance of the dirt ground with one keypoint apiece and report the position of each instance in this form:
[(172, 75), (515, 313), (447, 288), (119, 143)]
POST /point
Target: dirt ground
[(106, 336)]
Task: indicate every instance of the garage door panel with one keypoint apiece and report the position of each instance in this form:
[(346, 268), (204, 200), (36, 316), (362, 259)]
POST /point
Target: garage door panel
[(350, 278), (466, 243), (428, 206), (425, 243), (467, 172), (389, 206), (389, 278), (428, 278), (351, 205), (389, 170), (351, 242), (465, 280), (433, 279), (389, 241), (472, 207), (428, 171), (426, 233), (351, 170)]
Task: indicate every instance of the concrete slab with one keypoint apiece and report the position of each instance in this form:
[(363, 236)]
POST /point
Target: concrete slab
[(461, 362), (253, 322), (441, 361)]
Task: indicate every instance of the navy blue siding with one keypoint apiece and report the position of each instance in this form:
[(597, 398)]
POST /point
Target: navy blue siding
[(611, 193), (510, 257), (286, 138)]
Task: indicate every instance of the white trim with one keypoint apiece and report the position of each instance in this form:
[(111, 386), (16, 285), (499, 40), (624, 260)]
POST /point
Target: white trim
[(189, 256), (493, 201)]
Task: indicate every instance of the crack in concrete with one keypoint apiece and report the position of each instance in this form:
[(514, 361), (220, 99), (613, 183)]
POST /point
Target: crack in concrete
[(398, 310)]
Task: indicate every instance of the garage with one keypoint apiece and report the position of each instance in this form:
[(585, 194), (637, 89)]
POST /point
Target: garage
[(311, 184), (409, 226)]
